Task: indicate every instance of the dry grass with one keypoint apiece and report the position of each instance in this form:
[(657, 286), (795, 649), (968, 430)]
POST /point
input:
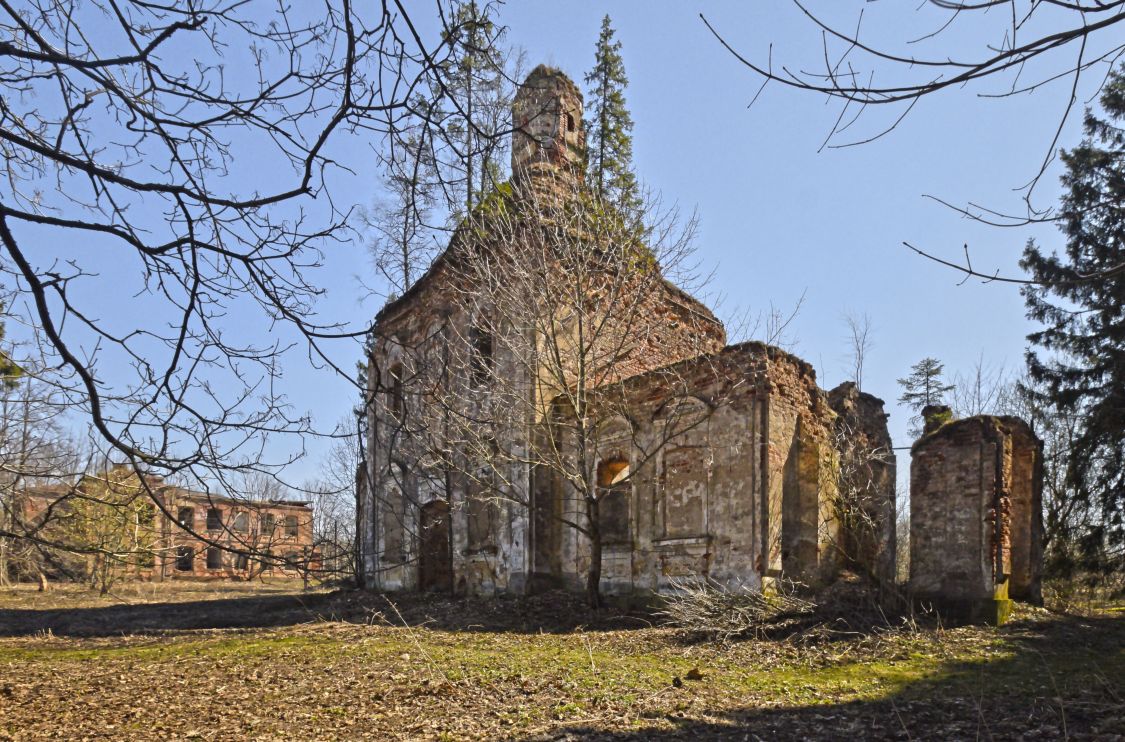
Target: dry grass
[(69, 595), (356, 666)]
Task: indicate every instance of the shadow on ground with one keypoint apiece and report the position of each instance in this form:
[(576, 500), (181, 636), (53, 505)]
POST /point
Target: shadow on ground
[(844, 610), (1065, 680), (140, 618), (554, 612)]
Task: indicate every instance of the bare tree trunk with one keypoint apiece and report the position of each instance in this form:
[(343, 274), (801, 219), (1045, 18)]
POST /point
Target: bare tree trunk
[(106, 567), (3, 552), (43, 586), (594, 576)]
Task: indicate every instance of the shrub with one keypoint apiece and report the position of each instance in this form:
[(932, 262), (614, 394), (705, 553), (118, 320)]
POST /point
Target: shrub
[(709, 608)]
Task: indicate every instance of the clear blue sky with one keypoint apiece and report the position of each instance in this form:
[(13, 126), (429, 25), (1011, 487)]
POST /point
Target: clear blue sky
[(781, 216)]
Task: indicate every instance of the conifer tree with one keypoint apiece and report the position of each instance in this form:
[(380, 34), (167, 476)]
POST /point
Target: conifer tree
[(1078, 358), (923, 387), (609, 126), (403, 241), (479, 91)]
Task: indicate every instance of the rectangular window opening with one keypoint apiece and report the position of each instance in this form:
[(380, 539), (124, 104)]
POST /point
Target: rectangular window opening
[(185, 556), (398, 399), (482, 358)]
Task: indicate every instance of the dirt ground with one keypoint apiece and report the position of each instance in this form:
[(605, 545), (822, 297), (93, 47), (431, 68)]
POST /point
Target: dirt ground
[(223, 661)]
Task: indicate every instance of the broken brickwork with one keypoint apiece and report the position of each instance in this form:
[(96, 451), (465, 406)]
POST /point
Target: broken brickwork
[(866, 485), (975, 516), (732, 458), (192, 534), (725, 462)]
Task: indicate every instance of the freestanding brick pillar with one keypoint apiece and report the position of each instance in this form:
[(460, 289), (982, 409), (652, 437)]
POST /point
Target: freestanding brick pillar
[(976, 527)]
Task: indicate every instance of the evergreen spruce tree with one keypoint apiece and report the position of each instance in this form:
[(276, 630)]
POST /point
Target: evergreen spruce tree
[(479, 106), (1078, 359), (609, 127), (923, 387), (403, 241)]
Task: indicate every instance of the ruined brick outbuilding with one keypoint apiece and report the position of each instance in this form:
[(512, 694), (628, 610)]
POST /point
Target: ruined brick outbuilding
[(976, 489), (764, 475)]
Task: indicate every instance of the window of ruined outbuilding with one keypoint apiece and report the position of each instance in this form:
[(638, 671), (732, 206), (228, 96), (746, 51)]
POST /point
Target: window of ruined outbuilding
[(291, 527), (186, 517), (185, 556), (570, 122), (481, 360), (214, 558), (214, 519), (269, 522), (241, 561), (614, 488), (241, 522)]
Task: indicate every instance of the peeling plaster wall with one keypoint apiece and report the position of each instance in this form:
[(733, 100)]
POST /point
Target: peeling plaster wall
[(742, 496)]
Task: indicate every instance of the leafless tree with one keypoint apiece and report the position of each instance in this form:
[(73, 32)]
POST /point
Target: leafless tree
[(984, 390), (36, 450), (1073, 527), (192, 145), (333, 494), (859, 344), (450, 156), (863, 509), (1021, 47), (548, 310), (881, 61), (772, 326), (403, 240)]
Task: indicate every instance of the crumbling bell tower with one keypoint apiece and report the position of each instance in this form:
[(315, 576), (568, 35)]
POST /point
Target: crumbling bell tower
[(547, 117)]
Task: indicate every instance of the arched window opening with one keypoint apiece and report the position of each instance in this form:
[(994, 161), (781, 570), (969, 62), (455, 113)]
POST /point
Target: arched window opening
[(482, 359), (397, 400), (614, 488)]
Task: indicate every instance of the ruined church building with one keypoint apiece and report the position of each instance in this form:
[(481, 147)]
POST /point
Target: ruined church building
[(749, 492)]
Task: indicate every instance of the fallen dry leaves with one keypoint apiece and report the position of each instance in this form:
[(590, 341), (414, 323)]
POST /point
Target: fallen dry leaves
[(355, 666)]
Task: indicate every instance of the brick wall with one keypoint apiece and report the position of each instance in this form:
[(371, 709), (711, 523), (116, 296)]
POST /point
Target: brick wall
[(975, 511)]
